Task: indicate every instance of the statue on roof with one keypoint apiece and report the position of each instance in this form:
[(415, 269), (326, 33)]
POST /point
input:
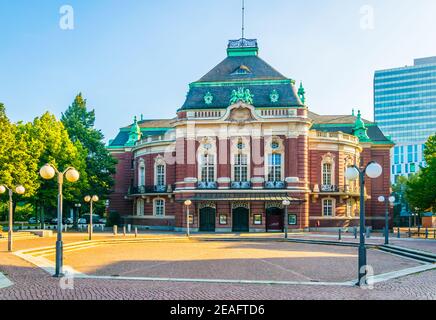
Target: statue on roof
[(360, 130), (302, 93), (135, 133), (243, 95)]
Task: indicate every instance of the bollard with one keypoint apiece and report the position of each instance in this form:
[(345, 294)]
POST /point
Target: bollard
[(434, 233), (410, 233), (129, 228), (102, 228), (66, 228), (368, 232), (115, 230), (426, 233), (355, 232), (398, 233), (340, 234), (136, 232), (124, 230)]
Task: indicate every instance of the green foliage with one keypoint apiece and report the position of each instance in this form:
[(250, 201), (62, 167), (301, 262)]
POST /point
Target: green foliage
[(100, 165), (18, 156), (421, 190), (55, 147)]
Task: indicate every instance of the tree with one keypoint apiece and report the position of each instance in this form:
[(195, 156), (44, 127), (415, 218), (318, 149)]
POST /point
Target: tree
[(421, 191), (18, 159), (100, 165), (54, 146)]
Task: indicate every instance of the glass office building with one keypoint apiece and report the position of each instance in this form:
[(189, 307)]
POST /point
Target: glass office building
[(405, 109)]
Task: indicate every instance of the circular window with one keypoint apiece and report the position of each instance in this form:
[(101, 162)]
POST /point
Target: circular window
[(241, 145), (275, 145)]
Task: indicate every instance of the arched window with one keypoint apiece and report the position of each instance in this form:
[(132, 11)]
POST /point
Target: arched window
[(328, 171), (141, 174), (159, 207), (327, 174), (159, 172)]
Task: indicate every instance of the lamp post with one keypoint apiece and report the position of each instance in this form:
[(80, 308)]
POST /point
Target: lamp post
[(48, 172), (91, 201), (187, 204), (388, 201), (372, 170), (18, 190), (286, 204), (77, 216)]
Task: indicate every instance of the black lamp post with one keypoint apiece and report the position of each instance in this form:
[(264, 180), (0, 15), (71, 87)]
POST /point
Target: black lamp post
[(388, 201), (372, 170)]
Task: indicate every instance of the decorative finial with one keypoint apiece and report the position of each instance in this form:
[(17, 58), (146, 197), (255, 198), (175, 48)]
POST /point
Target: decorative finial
[(243, 19), (352, 112), (135, 120), (302, 93)]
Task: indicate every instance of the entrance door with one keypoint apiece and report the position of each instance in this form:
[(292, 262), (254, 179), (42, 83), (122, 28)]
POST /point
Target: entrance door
[(274, 219), (207, 219), (240, 220)]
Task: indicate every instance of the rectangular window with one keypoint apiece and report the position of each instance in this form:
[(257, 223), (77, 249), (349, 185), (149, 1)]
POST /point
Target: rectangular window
[(399, 169), (412, 168), (241, 168), (410, 155), (396, 155), (207, 168), (159, 208), (328, 207), (275, 167), (327, 174), (160, 175)]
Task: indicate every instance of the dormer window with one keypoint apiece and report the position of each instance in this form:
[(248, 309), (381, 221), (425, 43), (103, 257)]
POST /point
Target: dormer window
[(242, 69)]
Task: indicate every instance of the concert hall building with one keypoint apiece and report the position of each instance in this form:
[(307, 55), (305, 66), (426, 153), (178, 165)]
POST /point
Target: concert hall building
[(242, 143)]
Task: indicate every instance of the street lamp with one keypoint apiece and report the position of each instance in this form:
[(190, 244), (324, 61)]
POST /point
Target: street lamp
[(188, 203), (286, 204), (48, 172), (18, 190), (387, 201), (91, 200), (372, 170)]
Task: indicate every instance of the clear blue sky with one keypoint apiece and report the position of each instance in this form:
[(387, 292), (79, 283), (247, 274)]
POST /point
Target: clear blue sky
[(138, 56)]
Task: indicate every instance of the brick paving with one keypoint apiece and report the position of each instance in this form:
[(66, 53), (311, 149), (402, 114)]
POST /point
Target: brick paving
[(31, 282)]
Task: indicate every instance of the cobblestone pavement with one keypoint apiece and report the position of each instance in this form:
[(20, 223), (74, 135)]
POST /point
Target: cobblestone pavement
[(277, 261), (31, 282)]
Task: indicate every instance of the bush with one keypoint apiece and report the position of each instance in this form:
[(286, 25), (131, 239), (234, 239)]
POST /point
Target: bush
[(114, 219)]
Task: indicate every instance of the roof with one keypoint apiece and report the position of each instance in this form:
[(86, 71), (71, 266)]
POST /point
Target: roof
[(345, 124), (242, 69), (334, 119), (148, 128), (261, 96), (258, 69)]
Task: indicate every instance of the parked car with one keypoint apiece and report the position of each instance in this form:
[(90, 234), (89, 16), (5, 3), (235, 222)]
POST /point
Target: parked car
[(54, 221), (95, 218), (81, 221), (33, 220), (102, 221)]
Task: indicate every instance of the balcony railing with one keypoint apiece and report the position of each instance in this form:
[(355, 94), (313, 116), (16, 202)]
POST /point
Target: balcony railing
[(240, 185), (329, 188), (275, 185), (151, 189), (207, 185)]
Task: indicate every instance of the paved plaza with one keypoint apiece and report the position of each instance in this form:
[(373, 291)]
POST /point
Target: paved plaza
[(117, 270)]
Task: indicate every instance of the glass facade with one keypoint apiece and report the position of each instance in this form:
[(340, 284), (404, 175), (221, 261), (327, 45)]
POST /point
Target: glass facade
[(405, 110)]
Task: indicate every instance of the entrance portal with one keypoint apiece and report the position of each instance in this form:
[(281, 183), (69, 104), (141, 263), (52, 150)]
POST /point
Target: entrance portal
[(207, 219), (240, 220), (274, 219)]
